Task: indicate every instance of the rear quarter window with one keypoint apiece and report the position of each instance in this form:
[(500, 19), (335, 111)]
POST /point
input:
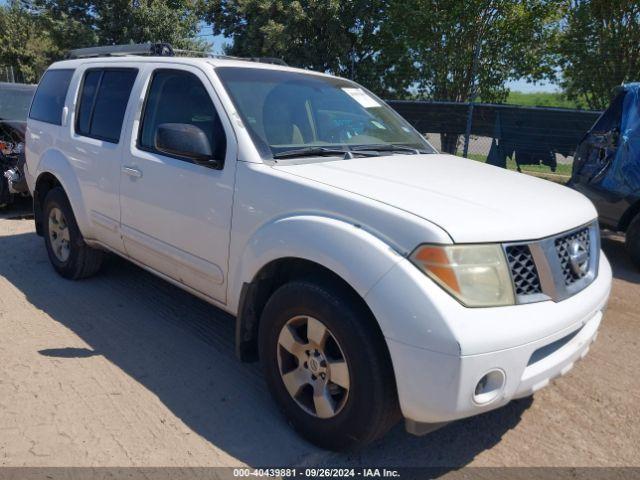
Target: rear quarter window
[(103, 102), (48, 101)]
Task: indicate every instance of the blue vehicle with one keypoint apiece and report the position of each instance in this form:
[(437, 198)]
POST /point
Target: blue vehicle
[(606, 167)]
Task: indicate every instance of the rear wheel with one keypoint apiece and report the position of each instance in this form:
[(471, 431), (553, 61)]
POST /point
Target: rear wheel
[(632, 240), (327, 366), (70, 256)]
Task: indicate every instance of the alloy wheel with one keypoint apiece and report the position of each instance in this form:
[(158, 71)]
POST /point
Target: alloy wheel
[(313, 367), (59, 235)]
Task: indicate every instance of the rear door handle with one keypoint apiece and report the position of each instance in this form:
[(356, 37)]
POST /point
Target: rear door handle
[(132, 172)]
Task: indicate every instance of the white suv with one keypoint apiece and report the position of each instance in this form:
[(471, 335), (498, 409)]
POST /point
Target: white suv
[(373, 277)]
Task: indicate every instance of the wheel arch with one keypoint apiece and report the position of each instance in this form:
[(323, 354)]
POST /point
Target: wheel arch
[(255, 295), (46, 181), (55, 170), (307, 246)]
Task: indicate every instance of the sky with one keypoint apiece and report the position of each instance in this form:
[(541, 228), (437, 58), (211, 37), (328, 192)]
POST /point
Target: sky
[(523, 86), (217, 41)]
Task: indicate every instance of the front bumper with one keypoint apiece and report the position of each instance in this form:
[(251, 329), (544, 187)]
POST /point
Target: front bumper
[(526, 345)]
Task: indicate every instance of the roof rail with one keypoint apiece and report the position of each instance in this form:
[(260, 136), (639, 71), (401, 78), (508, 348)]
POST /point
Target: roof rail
[(158, 50), (272, 60), (152, 49), (196, 53)]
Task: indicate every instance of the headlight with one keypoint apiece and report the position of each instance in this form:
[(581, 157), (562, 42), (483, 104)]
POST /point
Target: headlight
[(476, 275)]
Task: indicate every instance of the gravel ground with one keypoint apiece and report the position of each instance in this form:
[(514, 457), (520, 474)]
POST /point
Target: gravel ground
[(126, 370)]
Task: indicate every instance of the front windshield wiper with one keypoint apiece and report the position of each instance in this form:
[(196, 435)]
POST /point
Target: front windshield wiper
[(387, 147), (318, 152)]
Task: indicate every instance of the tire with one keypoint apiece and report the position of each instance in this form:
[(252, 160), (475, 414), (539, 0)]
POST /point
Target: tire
[(350, 417), (632, 240), (70, 256)]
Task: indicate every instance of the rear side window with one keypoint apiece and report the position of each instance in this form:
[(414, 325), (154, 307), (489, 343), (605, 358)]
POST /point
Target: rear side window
[(180, 97), (48, 101), (103, 102)]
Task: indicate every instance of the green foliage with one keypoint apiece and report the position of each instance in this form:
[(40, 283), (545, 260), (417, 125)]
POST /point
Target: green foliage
[(34, 33), (424, 49), (24, 45), (80, 23), (326, 35), (599, 48), (542, 99), (413, 48), (399, 49), (440, 38)]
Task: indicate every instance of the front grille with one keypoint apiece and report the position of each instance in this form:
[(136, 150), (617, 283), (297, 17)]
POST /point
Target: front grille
[(563, 244), (523, 270), (554, 268)]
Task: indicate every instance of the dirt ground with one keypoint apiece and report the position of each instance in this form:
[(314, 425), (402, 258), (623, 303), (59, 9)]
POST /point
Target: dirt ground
[(126, 370)]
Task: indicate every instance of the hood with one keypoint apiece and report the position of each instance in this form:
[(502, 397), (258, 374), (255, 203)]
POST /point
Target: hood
[(472, 201)]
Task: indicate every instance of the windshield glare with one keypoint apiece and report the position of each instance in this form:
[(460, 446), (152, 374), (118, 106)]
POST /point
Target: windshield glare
[(284, 111)]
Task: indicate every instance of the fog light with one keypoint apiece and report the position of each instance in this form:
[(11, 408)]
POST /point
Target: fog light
[(489, 387)]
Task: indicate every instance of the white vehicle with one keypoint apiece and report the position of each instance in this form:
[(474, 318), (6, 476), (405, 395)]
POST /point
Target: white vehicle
[(374, 278)]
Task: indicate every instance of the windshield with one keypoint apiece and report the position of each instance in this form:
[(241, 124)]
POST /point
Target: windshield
[(289, 111)]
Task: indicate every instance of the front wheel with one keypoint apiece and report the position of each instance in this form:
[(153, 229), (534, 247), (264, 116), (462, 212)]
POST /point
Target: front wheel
[(327, 366)]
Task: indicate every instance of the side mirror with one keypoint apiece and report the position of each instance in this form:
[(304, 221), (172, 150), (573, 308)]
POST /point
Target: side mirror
[(187, 141)]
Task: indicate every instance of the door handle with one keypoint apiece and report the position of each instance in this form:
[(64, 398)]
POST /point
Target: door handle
[(132, 172)]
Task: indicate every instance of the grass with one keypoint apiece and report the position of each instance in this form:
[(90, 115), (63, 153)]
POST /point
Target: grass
[(541, 99), (561, 175)]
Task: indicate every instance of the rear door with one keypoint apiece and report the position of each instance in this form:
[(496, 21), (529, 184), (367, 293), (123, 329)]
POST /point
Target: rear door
[(176, 214), (96, 144)]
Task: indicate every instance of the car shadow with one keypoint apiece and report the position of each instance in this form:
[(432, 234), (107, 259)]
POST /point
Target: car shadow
[(68, 352), (182, 350), (621, 264), (21, 208)]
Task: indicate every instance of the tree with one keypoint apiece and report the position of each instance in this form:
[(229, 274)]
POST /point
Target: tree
[(35, 33), (599, 49), (399, 49), (326, 35), (449, 49), (24, 46), (83, 23)]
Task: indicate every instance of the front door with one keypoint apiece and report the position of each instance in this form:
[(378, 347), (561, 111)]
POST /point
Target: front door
[(176, 214)]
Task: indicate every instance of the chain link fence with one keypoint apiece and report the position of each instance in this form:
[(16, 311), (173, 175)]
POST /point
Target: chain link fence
[(538, 140)]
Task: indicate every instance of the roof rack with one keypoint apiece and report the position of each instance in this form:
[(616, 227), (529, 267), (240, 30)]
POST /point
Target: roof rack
[(151, 49), (158, 50)]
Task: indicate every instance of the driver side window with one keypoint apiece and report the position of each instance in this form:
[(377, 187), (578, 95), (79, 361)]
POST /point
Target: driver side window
[(178, 97)]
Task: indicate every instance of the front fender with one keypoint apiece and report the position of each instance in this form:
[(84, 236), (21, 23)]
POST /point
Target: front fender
[(54, 162), (357, 256)]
